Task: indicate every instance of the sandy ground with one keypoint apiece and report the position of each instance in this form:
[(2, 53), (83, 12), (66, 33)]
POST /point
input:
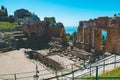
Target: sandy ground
[(15, 62)]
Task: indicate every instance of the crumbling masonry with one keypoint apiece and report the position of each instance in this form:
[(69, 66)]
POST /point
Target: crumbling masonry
[(90, 34)]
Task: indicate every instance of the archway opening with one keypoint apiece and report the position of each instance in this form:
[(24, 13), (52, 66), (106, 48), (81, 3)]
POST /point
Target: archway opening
[(103, 40)]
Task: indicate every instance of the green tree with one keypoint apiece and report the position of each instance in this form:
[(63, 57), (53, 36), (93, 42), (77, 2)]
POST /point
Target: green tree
[(103, 37), (68, 36), (75, 36)]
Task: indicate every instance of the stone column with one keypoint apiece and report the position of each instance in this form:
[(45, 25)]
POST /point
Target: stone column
[(93, 41), (83, 37)]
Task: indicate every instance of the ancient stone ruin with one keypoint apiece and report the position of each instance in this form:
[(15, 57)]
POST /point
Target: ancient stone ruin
[(39, 33), (90, 34)]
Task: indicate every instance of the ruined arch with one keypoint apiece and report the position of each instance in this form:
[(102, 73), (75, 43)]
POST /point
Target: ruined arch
[(94, 28), (98, 39)]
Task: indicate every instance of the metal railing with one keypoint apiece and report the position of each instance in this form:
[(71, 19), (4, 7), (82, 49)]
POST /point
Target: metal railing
[(94, 68), (55, 74), (96, 77)]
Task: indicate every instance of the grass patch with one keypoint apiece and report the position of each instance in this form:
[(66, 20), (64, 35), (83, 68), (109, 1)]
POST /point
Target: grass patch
[(105, 76), (8, 25), (115, 72), (68, 37)]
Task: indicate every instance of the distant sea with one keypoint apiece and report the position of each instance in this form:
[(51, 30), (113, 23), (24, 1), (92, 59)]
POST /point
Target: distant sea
[(70, 29)]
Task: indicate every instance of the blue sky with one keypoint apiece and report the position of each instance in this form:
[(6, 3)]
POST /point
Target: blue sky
[(69, 12), (104, 33)]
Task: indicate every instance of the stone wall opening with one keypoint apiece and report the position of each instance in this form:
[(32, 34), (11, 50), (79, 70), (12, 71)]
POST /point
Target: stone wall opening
[(103, 39), (102, 35)]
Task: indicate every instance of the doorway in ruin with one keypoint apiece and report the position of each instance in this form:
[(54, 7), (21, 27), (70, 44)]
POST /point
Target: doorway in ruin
[(103, 40)]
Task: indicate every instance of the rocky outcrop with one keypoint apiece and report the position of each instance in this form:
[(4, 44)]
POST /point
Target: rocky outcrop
[(23, 15)]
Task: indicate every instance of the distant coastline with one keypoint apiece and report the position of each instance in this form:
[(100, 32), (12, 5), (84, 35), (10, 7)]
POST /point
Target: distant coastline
[(70, 29)]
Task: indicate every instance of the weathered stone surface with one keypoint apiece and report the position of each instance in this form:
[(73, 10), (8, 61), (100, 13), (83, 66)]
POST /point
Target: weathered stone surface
[(92, 32), (44, 31), (39, 28), (113, 39), (58, 31)]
